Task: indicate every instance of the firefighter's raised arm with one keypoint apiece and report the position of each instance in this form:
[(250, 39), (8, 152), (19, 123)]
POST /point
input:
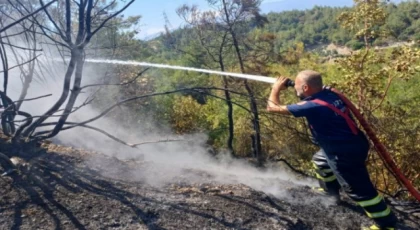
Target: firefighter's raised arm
[(274, 104)]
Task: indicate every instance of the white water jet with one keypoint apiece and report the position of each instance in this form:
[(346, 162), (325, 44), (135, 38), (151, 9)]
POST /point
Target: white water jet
[(177, 161), (163, 66)]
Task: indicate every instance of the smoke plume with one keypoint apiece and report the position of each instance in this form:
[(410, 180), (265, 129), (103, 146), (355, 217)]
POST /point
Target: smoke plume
[(159, 163)]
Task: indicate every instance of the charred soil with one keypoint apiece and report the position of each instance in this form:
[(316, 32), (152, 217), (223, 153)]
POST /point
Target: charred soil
[(56, 189)]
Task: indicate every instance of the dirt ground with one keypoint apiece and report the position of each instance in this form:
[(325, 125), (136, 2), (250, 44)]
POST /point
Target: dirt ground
[(56, 189)]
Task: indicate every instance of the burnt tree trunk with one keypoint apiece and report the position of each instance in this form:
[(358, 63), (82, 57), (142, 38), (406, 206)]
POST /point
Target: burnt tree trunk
[(256, 140), (230, 106)]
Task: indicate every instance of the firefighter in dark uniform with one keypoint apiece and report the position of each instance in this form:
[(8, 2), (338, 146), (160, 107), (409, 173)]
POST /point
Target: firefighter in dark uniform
[(340, 163)]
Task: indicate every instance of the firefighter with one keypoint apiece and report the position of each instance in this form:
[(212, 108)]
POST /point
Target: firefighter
[(340, 162)]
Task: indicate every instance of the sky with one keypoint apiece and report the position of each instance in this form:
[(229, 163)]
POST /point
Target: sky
[(151, 11), (152, 21)]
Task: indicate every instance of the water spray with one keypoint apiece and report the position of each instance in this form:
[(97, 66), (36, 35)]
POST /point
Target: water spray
[(162, 66), (384, 154)]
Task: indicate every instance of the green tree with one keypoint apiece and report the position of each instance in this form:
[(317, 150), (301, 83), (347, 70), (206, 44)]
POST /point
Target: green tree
[(368, 77)]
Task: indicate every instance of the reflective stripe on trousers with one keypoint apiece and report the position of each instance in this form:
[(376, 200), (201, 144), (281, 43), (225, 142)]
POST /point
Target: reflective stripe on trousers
[(325, 175), (342, 165), (375, 208)]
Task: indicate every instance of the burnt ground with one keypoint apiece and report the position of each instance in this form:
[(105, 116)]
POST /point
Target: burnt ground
[(58, 190)]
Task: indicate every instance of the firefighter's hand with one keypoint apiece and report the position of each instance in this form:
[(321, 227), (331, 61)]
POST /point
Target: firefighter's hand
[(280, 84)]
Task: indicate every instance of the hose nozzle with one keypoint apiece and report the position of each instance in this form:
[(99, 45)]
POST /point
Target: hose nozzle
[(290, 83)]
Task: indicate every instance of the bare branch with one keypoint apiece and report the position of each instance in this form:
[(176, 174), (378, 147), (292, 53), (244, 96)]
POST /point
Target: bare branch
[(53, 39), (88, 18), (13, 51), (106, 111), (5, 162), (61, 100), (49, 30), (89, 35), (101, 11), (82, 22), (112, 136), (24, 63), (224, 99), (55, 24), (8, 114), (34, 98), (293, 168), (385, 93), (27, 123), (20, 47), (68, 21), (27, 16), (4, 61), (73, 111), (43, 28), (16, 34), (159, 141)]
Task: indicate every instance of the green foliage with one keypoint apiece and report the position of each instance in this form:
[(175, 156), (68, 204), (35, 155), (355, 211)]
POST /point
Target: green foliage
[(312, 27), (371, 78), (355, 44), (319, 26), (382, 82)]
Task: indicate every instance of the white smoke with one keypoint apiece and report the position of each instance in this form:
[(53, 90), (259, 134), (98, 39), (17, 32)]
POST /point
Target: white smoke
[(167, 161)]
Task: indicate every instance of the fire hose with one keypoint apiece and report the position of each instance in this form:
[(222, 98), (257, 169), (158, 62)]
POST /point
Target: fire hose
[(369, 131), (380, 148)]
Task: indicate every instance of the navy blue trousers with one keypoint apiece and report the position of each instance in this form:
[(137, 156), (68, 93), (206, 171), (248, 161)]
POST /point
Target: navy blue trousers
[(341, 164)]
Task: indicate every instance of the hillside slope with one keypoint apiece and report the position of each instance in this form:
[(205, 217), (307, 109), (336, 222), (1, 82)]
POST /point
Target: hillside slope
[(59, 189), (283, 5)]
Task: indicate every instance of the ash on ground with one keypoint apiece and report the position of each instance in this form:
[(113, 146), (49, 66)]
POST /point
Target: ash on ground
[(59, 189)]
